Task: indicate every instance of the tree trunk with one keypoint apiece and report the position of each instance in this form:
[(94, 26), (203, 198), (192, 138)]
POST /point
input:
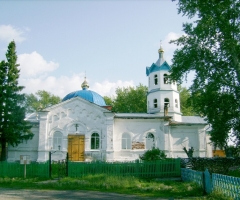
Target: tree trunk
[(4, 151)]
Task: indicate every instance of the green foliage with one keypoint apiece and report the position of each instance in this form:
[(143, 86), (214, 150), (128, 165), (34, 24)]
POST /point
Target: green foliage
[(232, 151), (210, 48), (13, 128), (108, 183), (40, 100), (153, 154), (185, 103), (129, 100), (219, 165), (108, 100), (133, 100)]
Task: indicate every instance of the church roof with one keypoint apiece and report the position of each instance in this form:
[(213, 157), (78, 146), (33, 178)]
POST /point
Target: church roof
[(160, 65), (140, 115), (86, 94), (190, 120)]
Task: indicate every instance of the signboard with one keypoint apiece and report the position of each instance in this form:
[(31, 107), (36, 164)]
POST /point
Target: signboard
[(25, 160)]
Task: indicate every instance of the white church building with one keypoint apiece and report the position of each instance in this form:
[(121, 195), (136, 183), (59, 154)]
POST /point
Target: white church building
[(83, 126)]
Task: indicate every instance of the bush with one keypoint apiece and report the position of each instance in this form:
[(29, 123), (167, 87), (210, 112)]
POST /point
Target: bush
[(217, 165), (153, 154)]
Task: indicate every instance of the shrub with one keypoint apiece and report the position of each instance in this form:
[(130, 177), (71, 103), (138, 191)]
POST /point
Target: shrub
[(218, 165), (153, 154)]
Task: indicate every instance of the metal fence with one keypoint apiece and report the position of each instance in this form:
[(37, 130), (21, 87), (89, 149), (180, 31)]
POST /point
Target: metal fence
[(228, 185), (15, 169), (161, 168)]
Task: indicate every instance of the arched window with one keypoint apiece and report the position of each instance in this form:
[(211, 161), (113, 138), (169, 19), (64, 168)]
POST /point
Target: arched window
[(165, 79), (176, 103), (57, 140), (95, 141), (166, 102), (126, 141), (155, 79), (155, 103), (150, 141)]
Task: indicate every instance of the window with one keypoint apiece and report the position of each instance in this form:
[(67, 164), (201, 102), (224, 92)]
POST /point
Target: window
[(95, 141), (57, 140), (155, 79), (150, 141), (166, 102), (165, 79), (155, 104), (176, 103), (126, 141)]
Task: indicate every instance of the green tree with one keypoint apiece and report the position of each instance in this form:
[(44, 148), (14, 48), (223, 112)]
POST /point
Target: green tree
[(130, 100), (185, 101), (40, 100), (153, 154), (210, 48), (13, 128), (108, 100)]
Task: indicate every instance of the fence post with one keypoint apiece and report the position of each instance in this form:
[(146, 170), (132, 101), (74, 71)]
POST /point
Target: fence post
[(50, 166), (207, 182), (67, 164)]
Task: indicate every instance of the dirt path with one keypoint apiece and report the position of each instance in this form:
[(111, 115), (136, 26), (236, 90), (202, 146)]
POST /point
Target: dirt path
[(22, 194)]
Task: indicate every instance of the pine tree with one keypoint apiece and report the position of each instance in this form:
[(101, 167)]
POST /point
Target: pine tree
[(13, 128)]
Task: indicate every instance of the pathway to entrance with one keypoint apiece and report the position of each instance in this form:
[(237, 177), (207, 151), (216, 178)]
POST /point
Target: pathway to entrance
[(22, 194)]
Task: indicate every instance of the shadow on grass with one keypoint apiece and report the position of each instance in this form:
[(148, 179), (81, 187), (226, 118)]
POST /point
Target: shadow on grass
[(122, 185)]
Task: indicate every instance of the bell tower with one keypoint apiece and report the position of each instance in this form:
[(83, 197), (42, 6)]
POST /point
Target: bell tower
[(163, 96)]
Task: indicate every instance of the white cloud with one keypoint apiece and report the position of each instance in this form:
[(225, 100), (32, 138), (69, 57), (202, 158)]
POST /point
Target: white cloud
[(33, 64), (107, 88), (9, 33), (59, 86), (169, 48), (63, 85), (34, 75), (170, 36)]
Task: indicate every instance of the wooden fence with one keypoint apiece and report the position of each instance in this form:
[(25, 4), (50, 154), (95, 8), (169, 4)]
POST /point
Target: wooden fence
[(228, 185), (192, 175), (15, 169), (161, 168)]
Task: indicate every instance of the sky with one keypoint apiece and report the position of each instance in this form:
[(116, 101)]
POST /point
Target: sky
[(111, 42)]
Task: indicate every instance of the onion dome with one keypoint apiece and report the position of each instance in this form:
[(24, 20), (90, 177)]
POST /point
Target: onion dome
[(160, 65), (86, 94)]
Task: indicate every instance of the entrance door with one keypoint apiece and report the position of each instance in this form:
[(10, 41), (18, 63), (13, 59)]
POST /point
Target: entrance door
[(76, 147)]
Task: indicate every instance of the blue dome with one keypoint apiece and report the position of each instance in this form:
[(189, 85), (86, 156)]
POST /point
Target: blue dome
[(87, 95)]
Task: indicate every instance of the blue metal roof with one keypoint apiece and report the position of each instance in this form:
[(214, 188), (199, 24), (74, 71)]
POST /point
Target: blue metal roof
[(87, 95), (154, 68)]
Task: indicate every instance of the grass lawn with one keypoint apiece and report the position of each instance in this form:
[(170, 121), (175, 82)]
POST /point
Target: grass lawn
[(125, 185)]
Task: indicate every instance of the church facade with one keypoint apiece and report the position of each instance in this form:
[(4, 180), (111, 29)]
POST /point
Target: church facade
[(83, 126)]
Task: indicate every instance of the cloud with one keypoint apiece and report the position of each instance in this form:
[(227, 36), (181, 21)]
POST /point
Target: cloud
[(33, 65), (35, 75), (169, 48), (9, 33), (107, 88), (170, 36), (63, 85)]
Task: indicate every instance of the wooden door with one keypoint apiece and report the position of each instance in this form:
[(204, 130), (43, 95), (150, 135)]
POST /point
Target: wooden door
[(76, 147)]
